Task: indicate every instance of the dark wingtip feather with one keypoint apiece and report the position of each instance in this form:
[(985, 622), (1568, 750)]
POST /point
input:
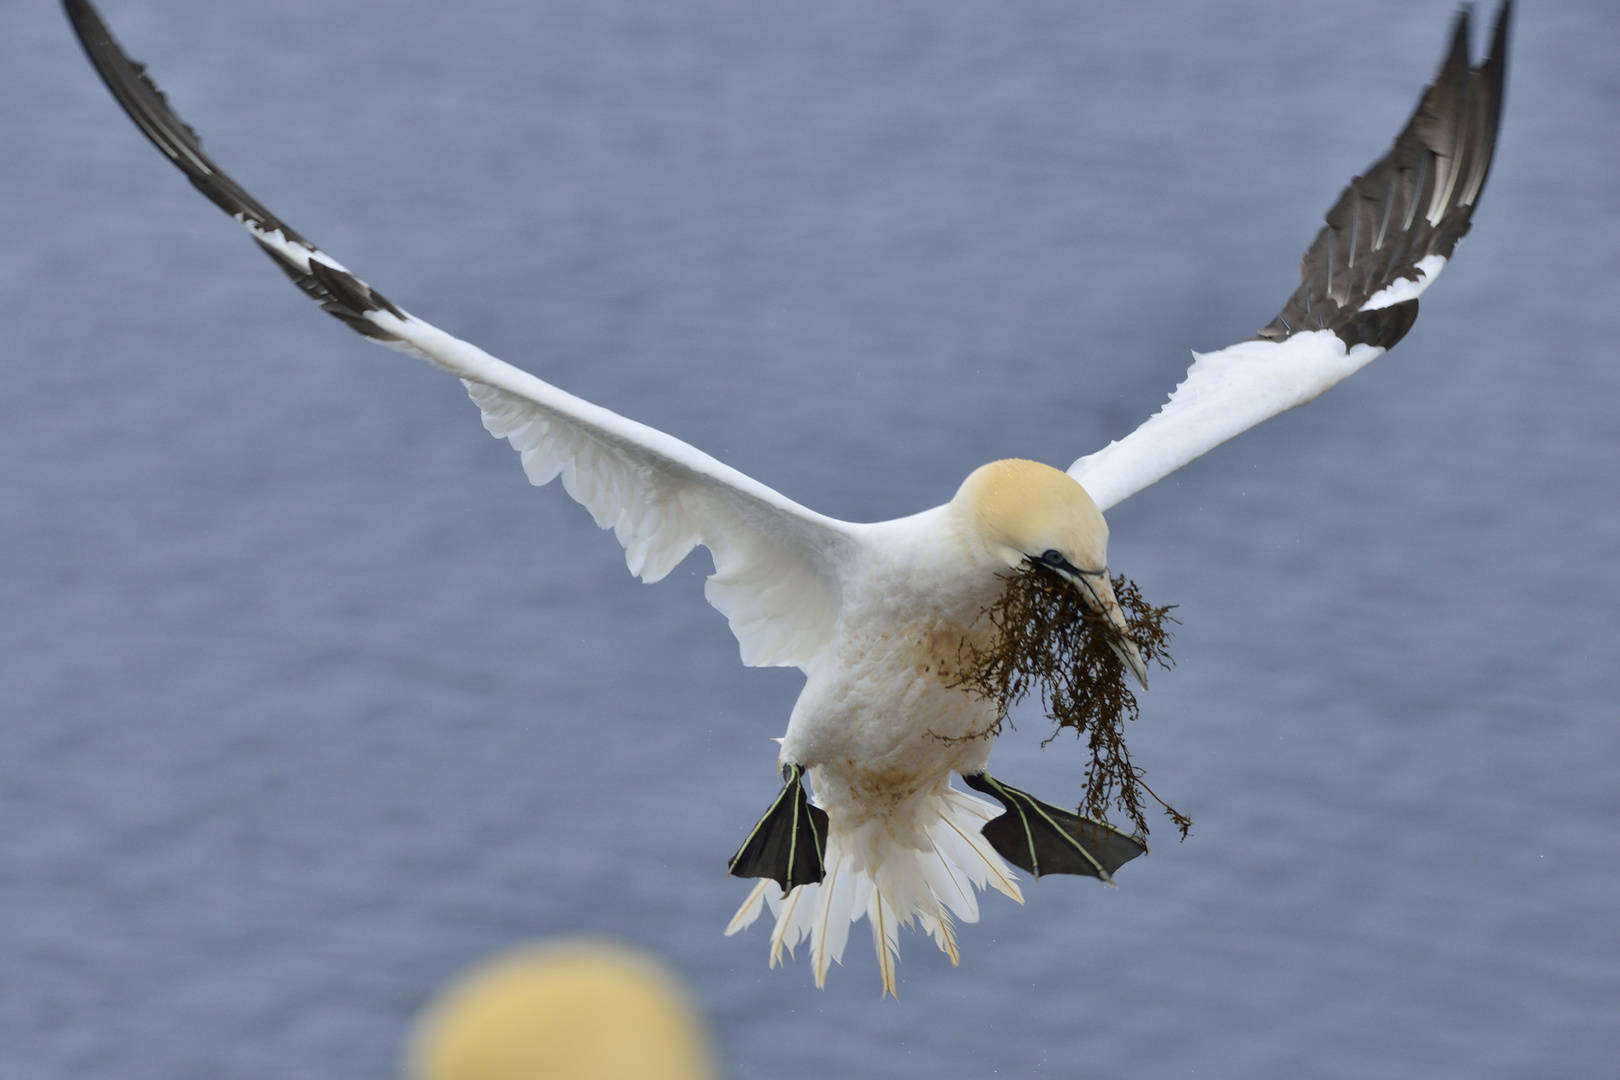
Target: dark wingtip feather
[(149, 108), (339, 293), (1414, 202)]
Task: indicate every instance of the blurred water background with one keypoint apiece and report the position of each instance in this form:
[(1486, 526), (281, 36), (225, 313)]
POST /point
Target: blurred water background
[(308, 700)]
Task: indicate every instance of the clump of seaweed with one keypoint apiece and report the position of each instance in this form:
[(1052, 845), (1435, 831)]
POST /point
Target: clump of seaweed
[(1047, 639)]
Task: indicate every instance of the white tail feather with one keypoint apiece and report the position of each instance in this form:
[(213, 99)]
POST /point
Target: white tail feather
[(950, 882), (749, 911), (944, 935), (790, 927), (926, 878), (885, 937), (830, 929), (980, 860)]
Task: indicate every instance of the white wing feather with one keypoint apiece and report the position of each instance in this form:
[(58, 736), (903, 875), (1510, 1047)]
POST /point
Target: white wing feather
[(777, 564), (1228, 392), (1225, 394)]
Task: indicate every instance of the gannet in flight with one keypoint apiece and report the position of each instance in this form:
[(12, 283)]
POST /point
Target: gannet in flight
[(882, 617)]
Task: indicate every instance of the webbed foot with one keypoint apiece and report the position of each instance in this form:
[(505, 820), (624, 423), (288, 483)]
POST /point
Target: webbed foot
[(1040, 838), (789, 843)]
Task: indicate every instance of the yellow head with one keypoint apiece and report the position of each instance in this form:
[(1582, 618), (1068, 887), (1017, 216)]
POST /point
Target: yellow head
[(1021, 510), (1016, 512)]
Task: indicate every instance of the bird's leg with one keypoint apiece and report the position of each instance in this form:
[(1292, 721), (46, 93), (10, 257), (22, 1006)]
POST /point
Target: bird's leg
[(1040, 838), (789, 843)]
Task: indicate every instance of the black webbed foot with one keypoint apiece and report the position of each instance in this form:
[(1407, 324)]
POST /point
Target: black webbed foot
[(789, 843), (1040, 838)]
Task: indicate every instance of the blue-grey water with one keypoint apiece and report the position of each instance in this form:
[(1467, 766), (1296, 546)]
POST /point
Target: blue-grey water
[(308, 700)]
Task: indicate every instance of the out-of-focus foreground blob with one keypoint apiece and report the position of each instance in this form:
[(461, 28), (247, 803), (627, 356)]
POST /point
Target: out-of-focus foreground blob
[(917, 635), (567, 1010)]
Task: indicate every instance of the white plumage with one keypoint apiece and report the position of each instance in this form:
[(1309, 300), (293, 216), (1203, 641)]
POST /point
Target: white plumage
[(877, 615)]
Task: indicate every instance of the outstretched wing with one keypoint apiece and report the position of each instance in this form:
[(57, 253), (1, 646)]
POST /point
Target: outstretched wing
[(776, 563), (1385, 241)]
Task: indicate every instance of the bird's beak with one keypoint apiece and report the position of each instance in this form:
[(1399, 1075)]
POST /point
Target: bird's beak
[(1098, 594)]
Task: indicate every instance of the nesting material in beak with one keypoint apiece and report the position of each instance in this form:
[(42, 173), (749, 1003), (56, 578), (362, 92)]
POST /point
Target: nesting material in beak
[(1097, 591), (1075, 644)]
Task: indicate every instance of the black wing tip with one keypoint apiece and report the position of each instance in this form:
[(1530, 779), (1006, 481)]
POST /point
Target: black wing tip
[(338, 292), (1415, 202), (86, 20), (1461, 29), (1500, 29), (1494, 67), (146, 104), (1462, 34)]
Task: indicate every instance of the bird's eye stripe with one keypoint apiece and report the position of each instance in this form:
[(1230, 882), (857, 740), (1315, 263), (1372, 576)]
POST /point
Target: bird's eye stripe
[(1055, 559)]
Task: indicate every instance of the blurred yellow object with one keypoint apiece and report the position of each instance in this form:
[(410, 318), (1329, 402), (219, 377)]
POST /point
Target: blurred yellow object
[(570, 1010)]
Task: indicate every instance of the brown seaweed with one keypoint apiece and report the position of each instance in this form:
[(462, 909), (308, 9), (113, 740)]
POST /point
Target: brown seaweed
[(1048, 640)]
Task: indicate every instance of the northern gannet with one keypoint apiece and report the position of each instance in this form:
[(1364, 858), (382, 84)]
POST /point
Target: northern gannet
[(882, 618)]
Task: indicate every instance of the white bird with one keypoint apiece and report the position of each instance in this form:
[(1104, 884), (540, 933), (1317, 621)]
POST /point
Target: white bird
[(881, 618)]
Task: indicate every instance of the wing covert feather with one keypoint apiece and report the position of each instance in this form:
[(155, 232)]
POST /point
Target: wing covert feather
[(777, 564)]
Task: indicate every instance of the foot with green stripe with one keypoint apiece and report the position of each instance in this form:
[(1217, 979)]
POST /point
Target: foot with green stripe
[(1040, 838), (789, 844)]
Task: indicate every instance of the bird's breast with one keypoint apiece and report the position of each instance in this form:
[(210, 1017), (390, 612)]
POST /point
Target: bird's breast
[(885, 709)]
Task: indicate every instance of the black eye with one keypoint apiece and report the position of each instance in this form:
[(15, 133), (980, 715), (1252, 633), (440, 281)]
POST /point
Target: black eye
[(1053, 558)]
